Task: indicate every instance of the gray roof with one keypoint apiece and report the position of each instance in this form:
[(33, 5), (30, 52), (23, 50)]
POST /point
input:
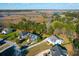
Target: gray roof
[(58, 50), (53, 39), (23, 35)]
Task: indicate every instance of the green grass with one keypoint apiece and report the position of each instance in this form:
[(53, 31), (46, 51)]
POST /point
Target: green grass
[(2, 36), (11, 36), (45, 35)]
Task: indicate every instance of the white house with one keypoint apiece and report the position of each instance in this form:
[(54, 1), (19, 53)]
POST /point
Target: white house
[(54, 40), (7, 30)]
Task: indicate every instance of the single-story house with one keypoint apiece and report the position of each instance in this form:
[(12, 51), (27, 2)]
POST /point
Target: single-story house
[(54, 39), (7, 30), (58, 50), (31, 36), (23, 35)]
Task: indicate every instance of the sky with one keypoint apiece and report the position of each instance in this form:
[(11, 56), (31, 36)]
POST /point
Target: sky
[(39, 6)]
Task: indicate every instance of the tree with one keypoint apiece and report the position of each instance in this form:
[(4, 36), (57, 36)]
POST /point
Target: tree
[(24, 19), (77, 28), (69, 29), (57, 25)]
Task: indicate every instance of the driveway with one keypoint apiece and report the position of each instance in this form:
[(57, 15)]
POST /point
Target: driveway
[(43, 52)]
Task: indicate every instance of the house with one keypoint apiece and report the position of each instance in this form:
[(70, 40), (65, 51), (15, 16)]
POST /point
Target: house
[(33, 37), (23, 35), (8, 48), (74, 19), (58, 50), (54, 39), (7, 30)]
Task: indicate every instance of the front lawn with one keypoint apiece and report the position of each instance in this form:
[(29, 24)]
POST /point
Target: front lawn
[(10, 36)]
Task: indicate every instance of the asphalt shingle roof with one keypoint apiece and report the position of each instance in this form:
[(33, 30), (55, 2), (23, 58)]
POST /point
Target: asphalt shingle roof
[(58, 50)]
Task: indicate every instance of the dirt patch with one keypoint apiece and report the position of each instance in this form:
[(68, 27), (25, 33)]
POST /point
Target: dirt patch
[(68, 46)]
